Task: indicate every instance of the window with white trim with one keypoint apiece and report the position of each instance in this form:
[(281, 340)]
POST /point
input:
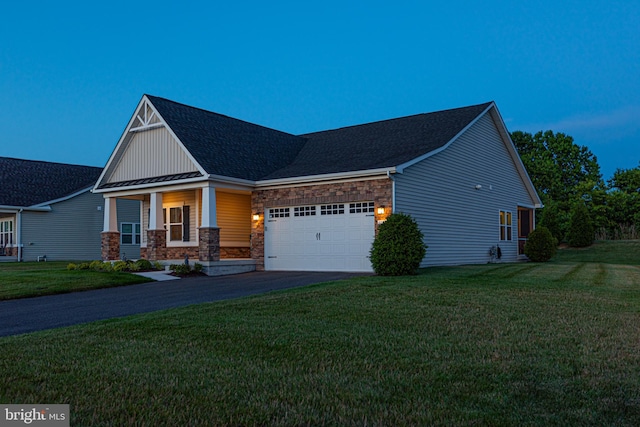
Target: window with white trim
[(177, 223), (506, 225), (129, 233), (6, 233)]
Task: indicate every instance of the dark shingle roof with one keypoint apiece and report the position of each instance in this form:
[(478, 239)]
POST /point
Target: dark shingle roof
[(27, 182), (380, 144), (227, 146)]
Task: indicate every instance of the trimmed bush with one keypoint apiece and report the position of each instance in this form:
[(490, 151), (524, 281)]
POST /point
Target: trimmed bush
[(197, 267), (398, 248), (581, 231), (120, 266), (180, 269), (144, 264), (541, 246), (72, 266)]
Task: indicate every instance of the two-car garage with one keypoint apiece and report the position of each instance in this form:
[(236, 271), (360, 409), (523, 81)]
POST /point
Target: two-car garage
[(325, 237)]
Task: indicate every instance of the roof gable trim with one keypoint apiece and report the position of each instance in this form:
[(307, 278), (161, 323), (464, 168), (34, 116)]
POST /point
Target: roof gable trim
[(61, 199), (145, 117)]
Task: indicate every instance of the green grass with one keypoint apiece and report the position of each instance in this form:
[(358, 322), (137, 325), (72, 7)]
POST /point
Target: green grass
[(610, 251), (502, 344), (30, 279)]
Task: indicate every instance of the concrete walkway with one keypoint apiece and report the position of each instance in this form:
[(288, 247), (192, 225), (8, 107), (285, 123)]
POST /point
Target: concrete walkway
[(159, 276), (34, 314)]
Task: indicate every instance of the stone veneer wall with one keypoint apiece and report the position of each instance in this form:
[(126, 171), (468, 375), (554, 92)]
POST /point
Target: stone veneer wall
[(231, 253), (156, 245), (110, 245), (377, 190), (209, 249)]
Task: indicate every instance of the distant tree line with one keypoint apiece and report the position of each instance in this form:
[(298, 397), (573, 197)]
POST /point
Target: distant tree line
[(575, 196)]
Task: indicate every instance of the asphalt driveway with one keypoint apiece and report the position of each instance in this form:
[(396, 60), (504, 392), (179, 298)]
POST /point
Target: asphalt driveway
[(35, 314)]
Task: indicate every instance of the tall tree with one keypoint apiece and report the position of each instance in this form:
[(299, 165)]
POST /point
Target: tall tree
[(626, 180), (560, 169)]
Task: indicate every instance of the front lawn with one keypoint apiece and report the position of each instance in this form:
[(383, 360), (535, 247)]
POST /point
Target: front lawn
[(30, 279), (501, 344)]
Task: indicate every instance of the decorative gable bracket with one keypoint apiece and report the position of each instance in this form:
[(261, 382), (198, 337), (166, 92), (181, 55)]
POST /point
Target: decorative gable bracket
[(145, 118)]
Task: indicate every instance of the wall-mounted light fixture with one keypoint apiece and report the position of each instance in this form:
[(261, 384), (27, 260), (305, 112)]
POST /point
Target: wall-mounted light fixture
[(478, 187), (256, 216), (380, 210)]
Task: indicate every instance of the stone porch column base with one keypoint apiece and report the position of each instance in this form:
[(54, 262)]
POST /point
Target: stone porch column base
[(209, 244), (110, 245), (156, 245)]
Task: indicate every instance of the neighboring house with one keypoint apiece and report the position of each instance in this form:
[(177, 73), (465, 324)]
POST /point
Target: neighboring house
[(47, 212), (235, 195)]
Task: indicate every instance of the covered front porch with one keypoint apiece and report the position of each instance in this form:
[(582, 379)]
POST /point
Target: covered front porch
[(204, 224)]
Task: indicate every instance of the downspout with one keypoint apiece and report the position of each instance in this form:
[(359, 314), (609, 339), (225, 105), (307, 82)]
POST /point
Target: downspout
[(393, 192), (19, 234)]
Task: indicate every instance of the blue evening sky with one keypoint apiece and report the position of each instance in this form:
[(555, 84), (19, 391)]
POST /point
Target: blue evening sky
[(71, 73)]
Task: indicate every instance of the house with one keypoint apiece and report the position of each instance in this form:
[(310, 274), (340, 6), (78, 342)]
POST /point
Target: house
[(47, 212), (238, 196)]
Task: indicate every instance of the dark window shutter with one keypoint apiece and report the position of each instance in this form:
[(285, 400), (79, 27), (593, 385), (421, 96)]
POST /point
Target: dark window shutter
[(186, 223)]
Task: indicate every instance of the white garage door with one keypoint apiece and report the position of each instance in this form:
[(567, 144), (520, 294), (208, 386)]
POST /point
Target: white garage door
[(335, 237)]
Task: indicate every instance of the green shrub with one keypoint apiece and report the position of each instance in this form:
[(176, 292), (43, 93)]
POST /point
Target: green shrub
[(197, 267), (541, 246), (157, 266), (96, 265), (144, 264), (84, 266), (72, 266), (555, 220), (180, 269), (581, 231), (398, 247), (120, 266), (132, 266)]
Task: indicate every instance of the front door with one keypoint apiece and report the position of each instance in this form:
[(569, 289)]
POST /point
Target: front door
[(525, 226)]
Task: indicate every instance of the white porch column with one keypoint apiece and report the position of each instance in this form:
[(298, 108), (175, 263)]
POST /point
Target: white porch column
[(110, 214), (209, 216), (156, 219)]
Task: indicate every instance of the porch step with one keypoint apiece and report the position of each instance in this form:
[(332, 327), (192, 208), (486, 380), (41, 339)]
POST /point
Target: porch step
[(8, 259), (223, 267)]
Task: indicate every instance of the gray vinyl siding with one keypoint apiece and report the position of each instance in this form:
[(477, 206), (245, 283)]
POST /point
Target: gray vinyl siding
[(72, 229), (461, 223)]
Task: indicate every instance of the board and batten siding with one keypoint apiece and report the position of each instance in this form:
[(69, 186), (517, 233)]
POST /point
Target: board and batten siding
[(461, 223), (151, 153)]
